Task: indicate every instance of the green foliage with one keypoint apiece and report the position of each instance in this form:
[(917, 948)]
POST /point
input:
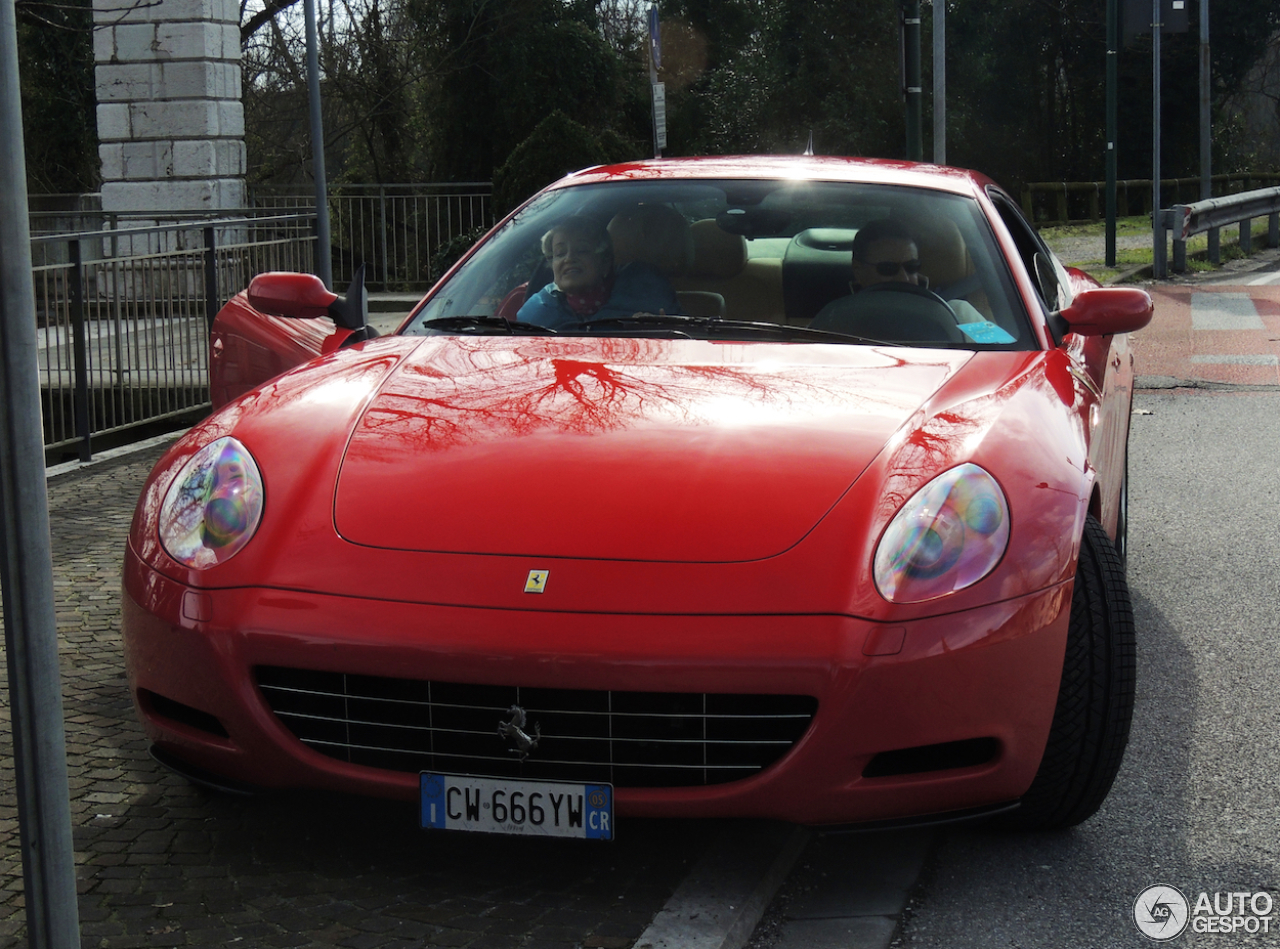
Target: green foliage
[(1027, 87), (55, 65), (774, 72), (507, 67), (453, 249), (556, 147), (448, 89)]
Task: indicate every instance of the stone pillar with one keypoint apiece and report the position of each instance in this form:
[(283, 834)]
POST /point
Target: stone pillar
[(170, 117)]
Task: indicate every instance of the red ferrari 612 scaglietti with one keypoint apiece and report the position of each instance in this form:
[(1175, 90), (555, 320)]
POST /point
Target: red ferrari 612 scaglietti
[(771, 487)]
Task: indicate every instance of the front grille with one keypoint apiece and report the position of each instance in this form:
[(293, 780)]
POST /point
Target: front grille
[(628, 739)]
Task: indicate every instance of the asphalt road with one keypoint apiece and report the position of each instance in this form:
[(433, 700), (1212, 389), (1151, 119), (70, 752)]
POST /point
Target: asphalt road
[(1195, 804)]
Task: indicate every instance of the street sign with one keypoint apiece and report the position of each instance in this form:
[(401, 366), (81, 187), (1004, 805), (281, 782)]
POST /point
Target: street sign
[(655, 38), (660, 115), (1174, 17)]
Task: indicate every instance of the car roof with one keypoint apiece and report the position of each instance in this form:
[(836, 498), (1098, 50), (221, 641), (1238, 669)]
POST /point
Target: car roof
[(800, 167)]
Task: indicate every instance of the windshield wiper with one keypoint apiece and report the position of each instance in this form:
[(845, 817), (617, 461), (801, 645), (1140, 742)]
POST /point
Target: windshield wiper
[(716, 327), (631, 322), (487, 325)]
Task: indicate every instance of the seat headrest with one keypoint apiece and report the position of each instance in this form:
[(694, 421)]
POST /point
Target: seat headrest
[(716, 252), (944, 258), (655, 233)]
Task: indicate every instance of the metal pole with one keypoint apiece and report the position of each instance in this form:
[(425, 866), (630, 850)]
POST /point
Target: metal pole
[(915, 122), (1158, 268), (939, 82), (26, 558), (324, 249), (1113, 55), (211, 302), (1206, 142), (79, 351)]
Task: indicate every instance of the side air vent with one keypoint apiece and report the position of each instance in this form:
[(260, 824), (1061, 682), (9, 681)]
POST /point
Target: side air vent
[(943, 757), (182, 714)]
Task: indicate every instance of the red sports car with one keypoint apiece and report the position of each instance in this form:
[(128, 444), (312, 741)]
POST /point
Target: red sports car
[(772, 487)]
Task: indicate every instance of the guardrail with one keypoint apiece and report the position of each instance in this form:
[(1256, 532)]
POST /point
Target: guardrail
[(1185, 220), (1079, 201), (123, 317)]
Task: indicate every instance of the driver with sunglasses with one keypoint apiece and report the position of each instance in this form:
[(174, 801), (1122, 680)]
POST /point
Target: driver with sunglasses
[(884, 251)]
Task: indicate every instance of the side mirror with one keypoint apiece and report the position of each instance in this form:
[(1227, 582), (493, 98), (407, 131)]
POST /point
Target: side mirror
[(297, 295), (352, 311), (1105, 311), (304, 296)]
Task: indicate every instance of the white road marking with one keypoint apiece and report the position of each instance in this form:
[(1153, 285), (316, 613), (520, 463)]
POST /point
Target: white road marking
[(1224, 311), (1252, 359), (1265, 280)]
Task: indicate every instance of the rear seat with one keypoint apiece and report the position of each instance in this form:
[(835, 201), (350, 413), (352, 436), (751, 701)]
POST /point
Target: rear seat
[(752, 289), (708, 267), (659, 235)]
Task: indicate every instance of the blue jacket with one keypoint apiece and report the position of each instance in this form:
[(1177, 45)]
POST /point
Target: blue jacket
[(638, 288)]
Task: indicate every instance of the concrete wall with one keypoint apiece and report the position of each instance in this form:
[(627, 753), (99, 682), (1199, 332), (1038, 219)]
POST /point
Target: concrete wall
[(170, 118)]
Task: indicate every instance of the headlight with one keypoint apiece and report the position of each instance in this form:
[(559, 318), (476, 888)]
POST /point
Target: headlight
[(950, 535), (213, 507)]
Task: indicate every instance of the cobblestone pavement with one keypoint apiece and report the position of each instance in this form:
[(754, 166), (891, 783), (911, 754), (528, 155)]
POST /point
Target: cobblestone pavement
[(162, 863)]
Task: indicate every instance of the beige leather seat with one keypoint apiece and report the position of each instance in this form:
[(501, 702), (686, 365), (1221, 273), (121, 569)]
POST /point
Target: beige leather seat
[(946, 261), (752, 289)]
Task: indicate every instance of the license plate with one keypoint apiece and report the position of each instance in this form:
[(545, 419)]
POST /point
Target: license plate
[(510, 806)]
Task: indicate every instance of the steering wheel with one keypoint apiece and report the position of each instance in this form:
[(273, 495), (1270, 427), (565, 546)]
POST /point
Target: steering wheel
[(915, 289), (905, 311)]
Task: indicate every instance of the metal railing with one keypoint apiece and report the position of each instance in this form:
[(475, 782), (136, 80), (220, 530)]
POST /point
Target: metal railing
[(1067, 202), (123, 316), (397, 230), (1185, 220)]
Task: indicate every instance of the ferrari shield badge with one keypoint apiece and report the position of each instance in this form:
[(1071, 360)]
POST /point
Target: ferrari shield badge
[(536, 582)]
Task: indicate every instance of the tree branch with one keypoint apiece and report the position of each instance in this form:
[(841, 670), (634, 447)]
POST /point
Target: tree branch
[(262, 16)]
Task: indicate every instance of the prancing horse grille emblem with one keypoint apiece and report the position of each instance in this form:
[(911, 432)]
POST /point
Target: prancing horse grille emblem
[(514, 731)]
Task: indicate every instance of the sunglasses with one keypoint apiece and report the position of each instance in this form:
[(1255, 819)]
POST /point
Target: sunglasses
[(890, 268)]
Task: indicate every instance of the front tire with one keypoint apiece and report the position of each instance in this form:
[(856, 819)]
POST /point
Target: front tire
[(1095, 699)]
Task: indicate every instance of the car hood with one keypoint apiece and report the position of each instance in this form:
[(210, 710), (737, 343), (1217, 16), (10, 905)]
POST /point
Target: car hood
[(627, 449)]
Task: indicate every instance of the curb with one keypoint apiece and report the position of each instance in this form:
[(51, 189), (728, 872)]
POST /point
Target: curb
[(719, 903)]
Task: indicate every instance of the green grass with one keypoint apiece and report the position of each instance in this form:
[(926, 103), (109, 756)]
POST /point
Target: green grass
[(1129, 258), (1125, 226)]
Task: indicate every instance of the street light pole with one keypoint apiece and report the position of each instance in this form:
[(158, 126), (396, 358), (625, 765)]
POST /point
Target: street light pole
[(1113, 54), (911, 42), (26, 557), (1159, 247), (1206, 141), (324, 245), (939, 82)]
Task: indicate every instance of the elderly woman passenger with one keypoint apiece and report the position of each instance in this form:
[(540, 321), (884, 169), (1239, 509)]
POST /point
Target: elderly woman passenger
[(586, 285)]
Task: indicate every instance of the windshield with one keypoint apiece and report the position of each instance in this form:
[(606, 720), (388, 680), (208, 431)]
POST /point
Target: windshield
[(740, 260)]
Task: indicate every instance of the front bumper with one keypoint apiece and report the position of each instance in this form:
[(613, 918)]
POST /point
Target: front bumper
[(989, 674)]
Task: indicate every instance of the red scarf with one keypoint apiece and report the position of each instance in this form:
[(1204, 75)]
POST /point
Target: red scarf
[(590, 302)]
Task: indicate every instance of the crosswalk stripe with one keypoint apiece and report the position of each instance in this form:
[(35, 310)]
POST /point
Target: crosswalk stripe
[(1224, 311)]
